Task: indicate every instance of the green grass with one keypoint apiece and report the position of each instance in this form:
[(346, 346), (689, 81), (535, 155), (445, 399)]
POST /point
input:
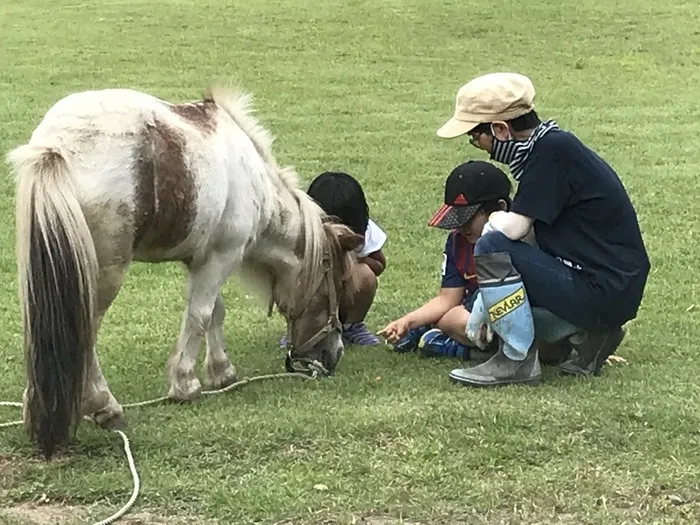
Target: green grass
[(362, 86)]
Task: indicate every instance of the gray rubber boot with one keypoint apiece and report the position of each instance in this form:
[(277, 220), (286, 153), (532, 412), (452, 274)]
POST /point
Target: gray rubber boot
[(501, 370), (550, 327), (510, 317), (592, 352)]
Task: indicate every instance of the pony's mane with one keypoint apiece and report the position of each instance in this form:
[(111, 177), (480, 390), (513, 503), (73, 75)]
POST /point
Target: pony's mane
[(239, 106)]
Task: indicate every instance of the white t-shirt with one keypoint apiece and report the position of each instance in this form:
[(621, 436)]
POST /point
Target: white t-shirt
[(374, 240)]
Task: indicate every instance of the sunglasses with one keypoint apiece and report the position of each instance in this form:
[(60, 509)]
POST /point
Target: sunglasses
[(482, 129)]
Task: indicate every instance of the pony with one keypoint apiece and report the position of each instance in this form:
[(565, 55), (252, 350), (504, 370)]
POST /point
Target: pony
[(113, 176)]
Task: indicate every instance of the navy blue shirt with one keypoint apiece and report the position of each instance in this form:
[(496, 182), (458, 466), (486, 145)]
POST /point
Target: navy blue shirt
[(458, 270), (584, 217)]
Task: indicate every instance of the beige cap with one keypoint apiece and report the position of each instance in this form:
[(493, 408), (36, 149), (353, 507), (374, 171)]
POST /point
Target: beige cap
[(489, 98)]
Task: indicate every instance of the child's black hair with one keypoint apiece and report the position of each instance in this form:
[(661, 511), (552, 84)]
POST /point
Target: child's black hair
[(340, 195), (489, 207)]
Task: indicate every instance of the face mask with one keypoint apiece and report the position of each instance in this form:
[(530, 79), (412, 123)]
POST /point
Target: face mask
[(514, 153), (504, 151)]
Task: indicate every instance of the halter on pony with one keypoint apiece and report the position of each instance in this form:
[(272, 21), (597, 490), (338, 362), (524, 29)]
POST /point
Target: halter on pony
[(312, 366)]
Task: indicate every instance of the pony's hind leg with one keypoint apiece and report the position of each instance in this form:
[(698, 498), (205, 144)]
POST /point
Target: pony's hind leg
[(98, 401), (205, 282), (218, 371)]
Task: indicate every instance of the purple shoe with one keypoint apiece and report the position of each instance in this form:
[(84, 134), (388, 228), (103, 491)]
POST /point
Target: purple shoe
[(358, 334)]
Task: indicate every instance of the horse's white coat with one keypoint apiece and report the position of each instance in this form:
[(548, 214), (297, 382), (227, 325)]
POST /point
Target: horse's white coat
[(249, 215)]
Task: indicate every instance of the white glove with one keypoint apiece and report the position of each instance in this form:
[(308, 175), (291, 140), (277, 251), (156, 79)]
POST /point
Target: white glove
[(478, 330)]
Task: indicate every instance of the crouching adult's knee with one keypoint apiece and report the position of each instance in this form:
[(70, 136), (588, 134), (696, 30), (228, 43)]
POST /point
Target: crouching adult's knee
[(492, 242)]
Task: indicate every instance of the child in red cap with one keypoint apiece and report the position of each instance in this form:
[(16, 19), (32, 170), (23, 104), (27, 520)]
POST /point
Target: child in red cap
[(473, 191)]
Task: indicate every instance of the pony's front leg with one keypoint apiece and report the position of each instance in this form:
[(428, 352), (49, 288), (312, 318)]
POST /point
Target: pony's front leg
[(218, 371), (204, 285)]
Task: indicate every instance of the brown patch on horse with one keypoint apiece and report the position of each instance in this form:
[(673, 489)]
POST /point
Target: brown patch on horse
[(202, 115), (165, 200)]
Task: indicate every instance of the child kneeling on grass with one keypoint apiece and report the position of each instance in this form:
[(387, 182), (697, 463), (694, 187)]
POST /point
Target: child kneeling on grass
[(341, 195), (473, 191)]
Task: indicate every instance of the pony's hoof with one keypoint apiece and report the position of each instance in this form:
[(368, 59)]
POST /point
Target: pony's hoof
[(110, 416), (187, 390), (218, 377), (114, 423)]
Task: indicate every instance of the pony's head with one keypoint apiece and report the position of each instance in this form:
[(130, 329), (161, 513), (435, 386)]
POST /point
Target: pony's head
[(314, 329), (308, 256)]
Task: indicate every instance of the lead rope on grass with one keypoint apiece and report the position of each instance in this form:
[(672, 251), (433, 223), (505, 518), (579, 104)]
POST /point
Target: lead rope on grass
[(11, 423), (134, 476), (315, 368), (129, 457)]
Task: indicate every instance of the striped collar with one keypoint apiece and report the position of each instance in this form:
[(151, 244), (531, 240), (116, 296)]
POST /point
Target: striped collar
[(516, 152)]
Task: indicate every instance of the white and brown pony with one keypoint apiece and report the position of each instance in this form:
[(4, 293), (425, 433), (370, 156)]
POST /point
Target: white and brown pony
[(115, 176)]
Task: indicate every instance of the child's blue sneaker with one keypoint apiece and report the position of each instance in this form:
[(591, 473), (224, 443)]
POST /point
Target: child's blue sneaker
[(409, 342), (435, 343)]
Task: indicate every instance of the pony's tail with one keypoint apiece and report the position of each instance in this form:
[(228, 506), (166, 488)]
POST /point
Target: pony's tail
[(57, 275)]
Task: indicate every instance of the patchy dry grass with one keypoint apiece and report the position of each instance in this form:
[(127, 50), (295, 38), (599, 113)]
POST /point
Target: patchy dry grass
[(42, 513), (47, 513)]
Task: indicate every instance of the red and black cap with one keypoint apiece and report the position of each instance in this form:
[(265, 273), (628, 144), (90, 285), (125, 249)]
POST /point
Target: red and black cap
[(468, 187)]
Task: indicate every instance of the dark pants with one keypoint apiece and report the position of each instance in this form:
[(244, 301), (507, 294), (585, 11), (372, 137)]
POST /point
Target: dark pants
[(549, 283), (468, 300)]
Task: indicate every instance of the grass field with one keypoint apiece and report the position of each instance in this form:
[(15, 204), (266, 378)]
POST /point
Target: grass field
[(362, 86)]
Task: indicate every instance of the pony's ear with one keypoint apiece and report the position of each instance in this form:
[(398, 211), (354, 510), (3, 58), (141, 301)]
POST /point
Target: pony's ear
[(349, 240)]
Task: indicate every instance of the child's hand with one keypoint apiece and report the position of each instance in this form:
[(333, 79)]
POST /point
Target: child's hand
[(395, 330)]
